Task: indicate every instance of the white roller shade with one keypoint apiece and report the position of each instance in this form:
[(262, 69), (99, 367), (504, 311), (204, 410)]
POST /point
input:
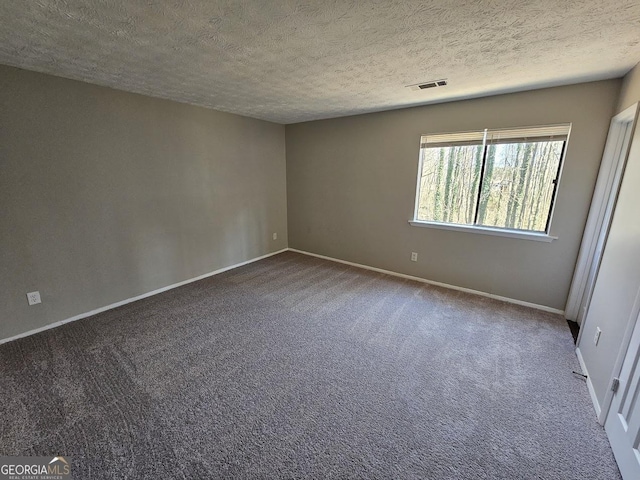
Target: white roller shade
[(503, 135), (545, 133), (452, 139)]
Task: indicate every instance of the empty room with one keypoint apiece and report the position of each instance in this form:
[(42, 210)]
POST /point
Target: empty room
[(293, 239)]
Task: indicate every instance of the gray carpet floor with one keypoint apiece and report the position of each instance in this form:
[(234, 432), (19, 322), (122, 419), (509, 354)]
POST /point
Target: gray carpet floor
[(296, 367)]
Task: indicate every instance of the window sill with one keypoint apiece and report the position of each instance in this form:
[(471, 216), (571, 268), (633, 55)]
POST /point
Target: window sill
[(540, 237)]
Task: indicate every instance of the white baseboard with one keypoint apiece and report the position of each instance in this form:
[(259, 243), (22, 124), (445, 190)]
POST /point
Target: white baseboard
[(592, 392), (231, 267), (432, 282), (138, 297)]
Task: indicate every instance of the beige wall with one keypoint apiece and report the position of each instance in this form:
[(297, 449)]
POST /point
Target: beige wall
[(351, 186), (106, 195), (630, 91)]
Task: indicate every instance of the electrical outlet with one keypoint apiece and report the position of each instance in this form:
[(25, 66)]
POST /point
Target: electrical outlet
[(414, 257), (275, 236), (596, 338), (33, 298)]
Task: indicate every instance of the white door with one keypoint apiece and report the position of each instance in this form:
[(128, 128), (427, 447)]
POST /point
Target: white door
[(621, 152), (623, 420), (601, 212), (603, 334)]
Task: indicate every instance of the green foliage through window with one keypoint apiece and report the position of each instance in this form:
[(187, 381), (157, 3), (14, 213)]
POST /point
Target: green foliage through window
[(500, 179)]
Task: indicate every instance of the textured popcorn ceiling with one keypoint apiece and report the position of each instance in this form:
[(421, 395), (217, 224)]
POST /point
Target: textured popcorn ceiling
[(290, 61)]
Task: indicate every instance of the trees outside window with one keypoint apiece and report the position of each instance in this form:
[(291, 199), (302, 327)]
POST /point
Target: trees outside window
[(502, 179)]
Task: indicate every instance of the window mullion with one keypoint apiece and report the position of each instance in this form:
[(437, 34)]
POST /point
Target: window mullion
[(480, 184), (555, 189)]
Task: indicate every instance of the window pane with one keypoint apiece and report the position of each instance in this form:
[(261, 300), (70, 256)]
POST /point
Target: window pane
[(449, 183), (518, 185)]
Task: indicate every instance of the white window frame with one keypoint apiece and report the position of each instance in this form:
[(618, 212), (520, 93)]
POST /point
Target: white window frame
[(485, 230)]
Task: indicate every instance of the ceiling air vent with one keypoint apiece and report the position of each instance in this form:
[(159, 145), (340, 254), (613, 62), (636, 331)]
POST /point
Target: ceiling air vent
[(426, 85)]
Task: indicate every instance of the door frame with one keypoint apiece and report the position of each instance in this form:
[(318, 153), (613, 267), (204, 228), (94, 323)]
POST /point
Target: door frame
[(603, 202)]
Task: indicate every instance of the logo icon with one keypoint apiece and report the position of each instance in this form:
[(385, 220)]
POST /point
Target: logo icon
[(35, 468)]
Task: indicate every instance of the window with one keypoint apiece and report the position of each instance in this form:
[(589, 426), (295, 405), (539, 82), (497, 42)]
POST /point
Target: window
[(492, 179)]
